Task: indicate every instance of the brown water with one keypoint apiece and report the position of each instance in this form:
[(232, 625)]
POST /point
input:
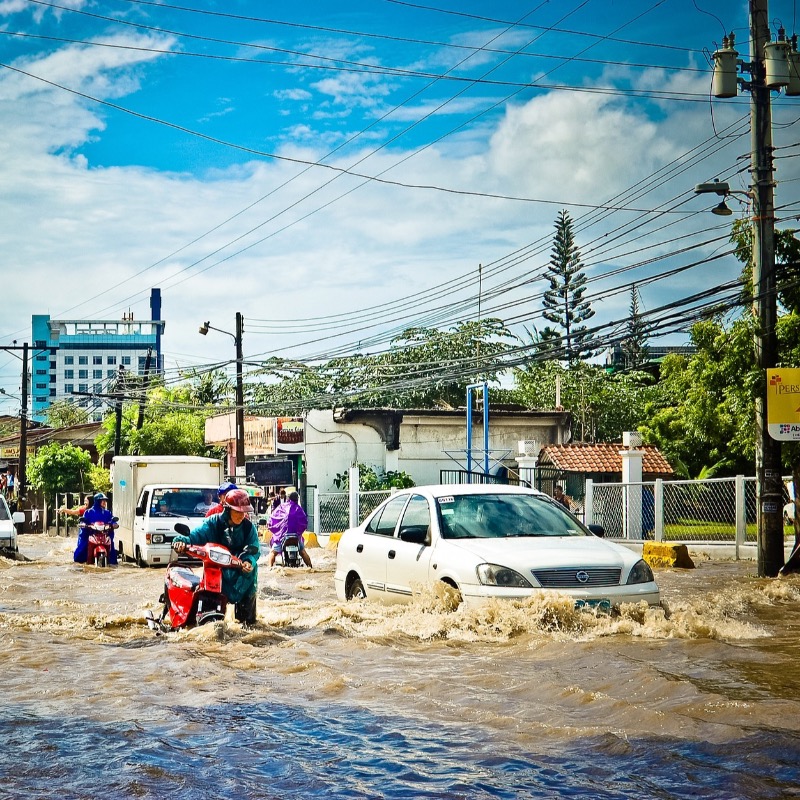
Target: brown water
[(360, 700)]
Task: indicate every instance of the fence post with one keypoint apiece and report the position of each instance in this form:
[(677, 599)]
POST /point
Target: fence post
[(741, 514), (588, 503), (354, 480), (658, 510)]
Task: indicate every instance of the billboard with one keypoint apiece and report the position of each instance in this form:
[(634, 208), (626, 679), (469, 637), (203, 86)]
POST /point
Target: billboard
[(783, 404), (289, 435)]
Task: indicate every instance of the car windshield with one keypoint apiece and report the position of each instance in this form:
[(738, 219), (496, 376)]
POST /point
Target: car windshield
[(181, 502), (494, 516)]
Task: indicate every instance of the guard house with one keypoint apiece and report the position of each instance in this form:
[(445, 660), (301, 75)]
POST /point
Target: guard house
[(75, 359)]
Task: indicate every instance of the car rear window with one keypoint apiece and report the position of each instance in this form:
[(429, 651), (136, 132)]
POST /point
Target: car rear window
[(492, 516)]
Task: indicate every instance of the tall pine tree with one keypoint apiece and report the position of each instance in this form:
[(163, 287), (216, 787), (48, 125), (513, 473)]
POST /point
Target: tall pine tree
[(634, 346), (563, 302)]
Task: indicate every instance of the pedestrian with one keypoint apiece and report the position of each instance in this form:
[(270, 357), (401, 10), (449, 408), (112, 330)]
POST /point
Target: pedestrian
[(35, 519), (78, 511), (560, 497), (288, 518)]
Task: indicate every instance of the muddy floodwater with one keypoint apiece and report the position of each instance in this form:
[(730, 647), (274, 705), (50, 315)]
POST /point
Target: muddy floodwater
[(357, 700)]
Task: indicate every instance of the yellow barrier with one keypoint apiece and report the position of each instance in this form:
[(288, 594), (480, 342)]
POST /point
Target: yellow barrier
[(310, 539), (661, 554), (333, 540)]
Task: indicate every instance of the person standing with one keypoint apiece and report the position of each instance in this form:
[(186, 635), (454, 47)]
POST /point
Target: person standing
[(288, 518), (560, 497), (79, 511)]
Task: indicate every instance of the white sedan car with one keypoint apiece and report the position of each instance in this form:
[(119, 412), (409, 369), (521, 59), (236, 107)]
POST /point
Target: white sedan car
[(485, 541)]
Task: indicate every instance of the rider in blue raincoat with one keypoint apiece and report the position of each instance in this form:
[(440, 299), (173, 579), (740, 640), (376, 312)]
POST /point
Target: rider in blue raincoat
[(233, 530), (97, 513)]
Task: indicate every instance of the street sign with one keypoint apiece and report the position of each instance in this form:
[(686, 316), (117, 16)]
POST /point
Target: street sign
[(783, 404)]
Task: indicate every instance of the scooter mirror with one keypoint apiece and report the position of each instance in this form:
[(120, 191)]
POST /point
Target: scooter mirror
[(182, 528), (249, 550)]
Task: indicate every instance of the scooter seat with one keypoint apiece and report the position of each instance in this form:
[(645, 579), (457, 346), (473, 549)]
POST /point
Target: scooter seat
[(184, 578)]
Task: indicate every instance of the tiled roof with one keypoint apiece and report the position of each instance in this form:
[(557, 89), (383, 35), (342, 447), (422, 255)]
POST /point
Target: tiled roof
[(601, 457)]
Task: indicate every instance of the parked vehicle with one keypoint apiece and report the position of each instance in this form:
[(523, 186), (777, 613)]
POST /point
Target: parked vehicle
[(8, 526), (190, 599), (99, 546), (151, 494), (485, 541)]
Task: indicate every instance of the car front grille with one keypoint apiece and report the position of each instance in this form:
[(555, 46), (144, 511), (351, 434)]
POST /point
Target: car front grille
[(567, 578)]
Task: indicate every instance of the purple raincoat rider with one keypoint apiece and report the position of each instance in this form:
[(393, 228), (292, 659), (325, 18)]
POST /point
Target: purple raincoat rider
[(97, 513)]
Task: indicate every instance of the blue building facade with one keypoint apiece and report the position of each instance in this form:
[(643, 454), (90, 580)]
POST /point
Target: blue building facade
[(81, 360)]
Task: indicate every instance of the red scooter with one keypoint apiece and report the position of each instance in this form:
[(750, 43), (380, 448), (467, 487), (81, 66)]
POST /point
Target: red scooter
[(190, 599), (99, 544)]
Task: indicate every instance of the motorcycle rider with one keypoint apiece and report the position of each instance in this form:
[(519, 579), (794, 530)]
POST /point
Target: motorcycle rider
[(233, 530), (288, 518), (97, 513), (218, 508)]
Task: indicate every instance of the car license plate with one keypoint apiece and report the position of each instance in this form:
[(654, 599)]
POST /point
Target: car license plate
[(602, 606)]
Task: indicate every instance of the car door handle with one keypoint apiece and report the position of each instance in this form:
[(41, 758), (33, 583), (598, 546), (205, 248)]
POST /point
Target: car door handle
[(360, 548), (392, 554)]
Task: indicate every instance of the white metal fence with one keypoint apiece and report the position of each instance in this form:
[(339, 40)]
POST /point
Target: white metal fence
[(331, 510), (716, 510)]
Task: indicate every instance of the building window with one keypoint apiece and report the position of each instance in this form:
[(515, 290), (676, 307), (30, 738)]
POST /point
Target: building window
[(126, 361), (98, 387), (83, 374), (52, 365), (52, 393), (41, 385), (111, 360), (69, 388), (110, 373), (97, 359), (41, 372), (83, 360), (69, 374), (83, 387), (69, 359), (97, 373)]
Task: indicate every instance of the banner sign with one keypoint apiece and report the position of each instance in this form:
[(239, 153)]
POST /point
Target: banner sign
[(783, 404)]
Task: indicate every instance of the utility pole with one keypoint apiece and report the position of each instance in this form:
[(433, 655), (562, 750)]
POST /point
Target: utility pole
[(118, 394), (769, 486), (239, 394), (22, 479), (773, 66)]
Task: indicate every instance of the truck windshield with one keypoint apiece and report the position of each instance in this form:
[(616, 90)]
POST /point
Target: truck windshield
[(183, 502)]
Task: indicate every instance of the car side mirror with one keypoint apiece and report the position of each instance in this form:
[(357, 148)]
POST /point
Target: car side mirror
[(414, 535), (182, 528), (18, 517), (597, 530)]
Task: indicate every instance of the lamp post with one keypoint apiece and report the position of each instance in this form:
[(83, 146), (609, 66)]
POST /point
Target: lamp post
[(237, 338)]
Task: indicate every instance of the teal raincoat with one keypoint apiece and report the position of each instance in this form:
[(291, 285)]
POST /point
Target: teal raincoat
[(217, 529)]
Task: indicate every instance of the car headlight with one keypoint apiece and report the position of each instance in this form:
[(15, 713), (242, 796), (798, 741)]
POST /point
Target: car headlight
[(495, 575), (640, 573)]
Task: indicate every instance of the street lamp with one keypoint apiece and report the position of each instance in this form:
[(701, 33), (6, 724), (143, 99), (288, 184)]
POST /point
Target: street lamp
[(237, 338)]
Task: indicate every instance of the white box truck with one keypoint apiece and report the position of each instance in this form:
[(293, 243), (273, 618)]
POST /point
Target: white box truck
[(152, 493)]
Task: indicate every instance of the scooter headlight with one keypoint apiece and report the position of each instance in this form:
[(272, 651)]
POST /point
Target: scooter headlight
[(220, 557)]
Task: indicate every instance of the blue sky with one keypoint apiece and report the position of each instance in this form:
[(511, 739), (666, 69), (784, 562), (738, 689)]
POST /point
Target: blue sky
[(337, 171)]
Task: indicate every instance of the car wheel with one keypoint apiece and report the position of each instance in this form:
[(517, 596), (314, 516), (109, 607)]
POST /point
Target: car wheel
[(355, 590), (451, 596)]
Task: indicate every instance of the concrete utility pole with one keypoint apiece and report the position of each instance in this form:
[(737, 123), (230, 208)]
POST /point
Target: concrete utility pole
[(22, 478), (769, 486), (239, 393)]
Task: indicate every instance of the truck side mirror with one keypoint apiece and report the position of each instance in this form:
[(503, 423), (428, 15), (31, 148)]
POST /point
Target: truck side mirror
[(139, 511)]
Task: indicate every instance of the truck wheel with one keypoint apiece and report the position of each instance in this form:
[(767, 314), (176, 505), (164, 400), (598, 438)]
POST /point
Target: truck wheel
[(139, 560)]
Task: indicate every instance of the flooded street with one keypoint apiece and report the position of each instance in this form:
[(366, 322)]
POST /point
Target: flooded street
[(363, 701)]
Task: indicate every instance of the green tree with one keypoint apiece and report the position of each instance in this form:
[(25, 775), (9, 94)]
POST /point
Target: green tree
[(603, 405), (634, 346), (57, 467), (372, 479), (176, 433), (563, 302), (423, 368), (63, 414)]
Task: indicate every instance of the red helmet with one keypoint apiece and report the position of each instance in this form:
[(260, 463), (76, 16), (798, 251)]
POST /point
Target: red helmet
[(238, 500)]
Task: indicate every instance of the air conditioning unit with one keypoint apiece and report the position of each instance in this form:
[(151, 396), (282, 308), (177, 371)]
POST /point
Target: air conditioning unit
[(631, 439), (528, 447)]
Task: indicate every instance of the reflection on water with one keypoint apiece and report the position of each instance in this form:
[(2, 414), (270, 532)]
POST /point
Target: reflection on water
[(531, 699)]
